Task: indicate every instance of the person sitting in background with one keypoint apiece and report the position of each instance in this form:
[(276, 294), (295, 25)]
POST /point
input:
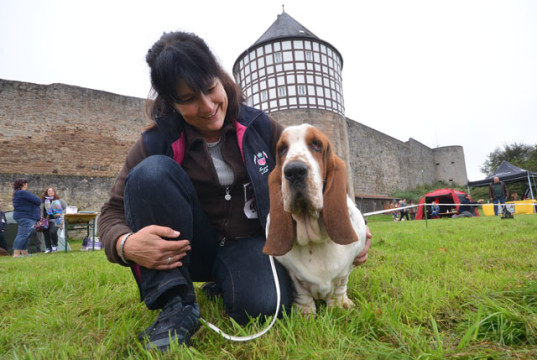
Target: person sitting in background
[(498, 193), (52, 207), (26, 213), (466, 209), (3, 224), (435, 210)]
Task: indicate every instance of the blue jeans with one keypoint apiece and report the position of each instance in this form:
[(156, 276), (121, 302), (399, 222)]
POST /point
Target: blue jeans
[(496, 202), (159, 192), (24, 231)]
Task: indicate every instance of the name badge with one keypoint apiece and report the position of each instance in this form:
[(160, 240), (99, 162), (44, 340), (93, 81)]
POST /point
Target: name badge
[(250, 207)]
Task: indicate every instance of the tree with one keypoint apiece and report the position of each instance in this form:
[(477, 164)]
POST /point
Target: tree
[(521, 155)]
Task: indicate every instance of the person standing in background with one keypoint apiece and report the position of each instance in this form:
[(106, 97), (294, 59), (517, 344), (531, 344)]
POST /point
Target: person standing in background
[(403, 211), (498, 193), (52, 207), (3, 224), (26, 213), (412, 210)]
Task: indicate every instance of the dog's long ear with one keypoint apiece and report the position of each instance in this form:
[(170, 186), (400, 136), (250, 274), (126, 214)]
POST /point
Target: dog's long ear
[(281, 231), (335, 211)]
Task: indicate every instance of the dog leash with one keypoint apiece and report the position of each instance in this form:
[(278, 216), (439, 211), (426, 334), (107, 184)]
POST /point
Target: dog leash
[(261, 333)]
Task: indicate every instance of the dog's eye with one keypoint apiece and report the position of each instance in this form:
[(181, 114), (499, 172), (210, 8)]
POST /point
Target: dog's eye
[(282, 151), (316, 145)]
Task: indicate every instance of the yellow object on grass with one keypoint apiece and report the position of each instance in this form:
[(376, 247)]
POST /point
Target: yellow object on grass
[(521, 207)]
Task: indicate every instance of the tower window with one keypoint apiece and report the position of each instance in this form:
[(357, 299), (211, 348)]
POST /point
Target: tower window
[(309, 56), (281, 91), (287, 56), (301, 90), (278, 57)]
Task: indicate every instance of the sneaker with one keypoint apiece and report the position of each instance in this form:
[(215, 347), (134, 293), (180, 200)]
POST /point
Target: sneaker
[(176, 322), (47, 251), (54, 248)]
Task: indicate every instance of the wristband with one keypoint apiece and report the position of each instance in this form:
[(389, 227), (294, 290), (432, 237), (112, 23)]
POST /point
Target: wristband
[(121, 246)]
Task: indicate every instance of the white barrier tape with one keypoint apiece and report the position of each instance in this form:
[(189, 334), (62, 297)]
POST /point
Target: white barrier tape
[(442, 204)]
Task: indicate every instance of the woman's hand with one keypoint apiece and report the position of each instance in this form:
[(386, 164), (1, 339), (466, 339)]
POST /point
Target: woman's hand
[(362, 256), (148, 248)]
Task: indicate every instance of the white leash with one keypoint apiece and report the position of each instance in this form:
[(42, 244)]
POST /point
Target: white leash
[(255, 336)]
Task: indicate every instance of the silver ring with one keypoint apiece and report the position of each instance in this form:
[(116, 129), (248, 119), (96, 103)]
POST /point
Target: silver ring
[(169, 260)]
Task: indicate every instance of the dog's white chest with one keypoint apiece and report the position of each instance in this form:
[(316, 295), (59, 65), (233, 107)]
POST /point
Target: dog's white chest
[(320, 267)]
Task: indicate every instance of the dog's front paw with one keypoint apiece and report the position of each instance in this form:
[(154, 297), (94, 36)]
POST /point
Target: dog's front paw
[(306, 309), (341, 302)]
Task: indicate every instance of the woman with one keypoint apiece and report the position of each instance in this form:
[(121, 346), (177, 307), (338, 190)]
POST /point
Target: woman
[(177, 211), (26, 213), (435, 210), (3, 224), (52, 207)]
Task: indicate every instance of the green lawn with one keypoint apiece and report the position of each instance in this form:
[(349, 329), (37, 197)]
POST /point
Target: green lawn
[(450, 288)]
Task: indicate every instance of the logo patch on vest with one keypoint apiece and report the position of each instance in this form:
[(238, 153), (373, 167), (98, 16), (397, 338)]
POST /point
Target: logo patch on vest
[(260, 159)]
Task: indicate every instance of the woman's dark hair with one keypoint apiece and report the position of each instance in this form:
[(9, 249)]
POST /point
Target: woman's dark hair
[(185, 56), (18, 184)]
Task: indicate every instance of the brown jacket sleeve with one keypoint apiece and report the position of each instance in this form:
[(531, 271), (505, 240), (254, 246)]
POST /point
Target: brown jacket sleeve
[(112, 222)]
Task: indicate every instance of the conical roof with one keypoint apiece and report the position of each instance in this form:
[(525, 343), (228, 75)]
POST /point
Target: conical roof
[(284, 27)]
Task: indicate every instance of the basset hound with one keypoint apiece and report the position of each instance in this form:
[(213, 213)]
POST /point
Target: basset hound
[(314, 229)]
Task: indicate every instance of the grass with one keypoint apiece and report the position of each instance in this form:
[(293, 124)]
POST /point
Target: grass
[(443, 289)]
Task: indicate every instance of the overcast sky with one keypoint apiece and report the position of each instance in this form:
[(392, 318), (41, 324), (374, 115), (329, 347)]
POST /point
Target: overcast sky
[(441, 72)]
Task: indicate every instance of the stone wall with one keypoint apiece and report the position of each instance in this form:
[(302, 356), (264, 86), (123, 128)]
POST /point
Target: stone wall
[(383, 165), (450, 164), (76, 139), (66, 130), (71, 138)]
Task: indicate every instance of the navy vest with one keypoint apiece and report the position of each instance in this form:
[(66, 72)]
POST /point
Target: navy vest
[(254, 129)]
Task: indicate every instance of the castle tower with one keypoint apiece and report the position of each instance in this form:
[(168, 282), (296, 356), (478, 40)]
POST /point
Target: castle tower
[(296, 77), (289, 67)]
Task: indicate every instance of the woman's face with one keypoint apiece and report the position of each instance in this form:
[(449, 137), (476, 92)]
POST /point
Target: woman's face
[(205, 111), (50, 192), (25, 186)]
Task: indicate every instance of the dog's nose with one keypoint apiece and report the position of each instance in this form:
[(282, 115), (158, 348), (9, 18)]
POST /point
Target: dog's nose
[(296, 171)]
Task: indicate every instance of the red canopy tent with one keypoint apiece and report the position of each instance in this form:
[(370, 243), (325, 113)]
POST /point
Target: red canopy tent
[(445, 196)]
